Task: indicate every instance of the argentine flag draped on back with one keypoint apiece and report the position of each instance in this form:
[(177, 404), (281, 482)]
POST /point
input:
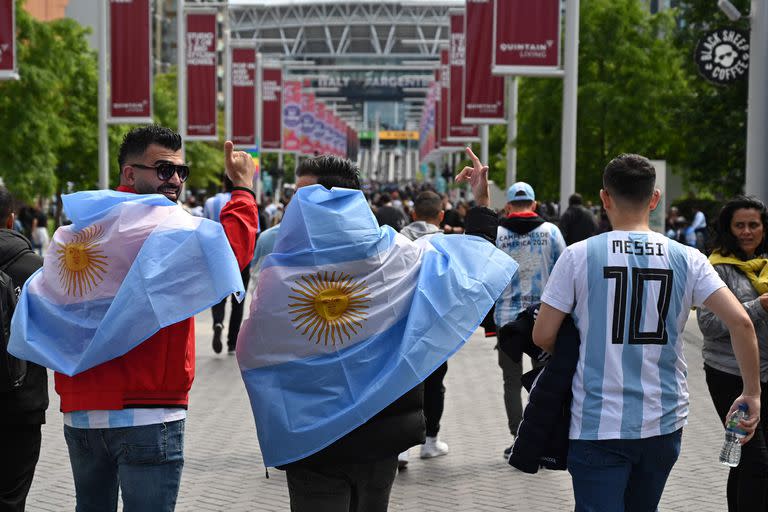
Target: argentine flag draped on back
[(128, 266), (348, 317)]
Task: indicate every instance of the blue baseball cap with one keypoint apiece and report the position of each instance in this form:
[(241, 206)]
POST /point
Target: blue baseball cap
[(520, 191)]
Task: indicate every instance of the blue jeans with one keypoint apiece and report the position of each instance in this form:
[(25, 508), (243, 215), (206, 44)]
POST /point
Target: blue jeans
[(145, 462), (622, 474)]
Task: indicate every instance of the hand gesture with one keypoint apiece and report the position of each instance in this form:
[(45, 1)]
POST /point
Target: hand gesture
[(477, 177), (240, 166)]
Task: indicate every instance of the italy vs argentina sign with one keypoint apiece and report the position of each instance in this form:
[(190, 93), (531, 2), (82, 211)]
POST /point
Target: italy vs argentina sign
[(128, 266), (348, 317)]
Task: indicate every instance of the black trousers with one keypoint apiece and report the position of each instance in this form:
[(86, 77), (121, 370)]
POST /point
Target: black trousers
[(236, 315), (434, 399), (748, 482), (342, 487), (20, 449)]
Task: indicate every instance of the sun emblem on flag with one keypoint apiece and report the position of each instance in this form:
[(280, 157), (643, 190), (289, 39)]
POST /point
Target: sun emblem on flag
[(328, 307), (81, 262)]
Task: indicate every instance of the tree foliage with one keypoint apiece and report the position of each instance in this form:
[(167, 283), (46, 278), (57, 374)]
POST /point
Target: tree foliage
[(711, 119), (630, 86), (44, 115)]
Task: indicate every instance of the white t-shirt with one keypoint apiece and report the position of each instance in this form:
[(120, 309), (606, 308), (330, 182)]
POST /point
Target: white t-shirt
[(630, 294)]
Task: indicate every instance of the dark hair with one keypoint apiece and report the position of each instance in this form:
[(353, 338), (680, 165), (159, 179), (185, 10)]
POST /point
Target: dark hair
[(136, 141), (227, 183), (631, 178), (6, 205), (727, 244), (575, 199), (428, 205), (331, 171)]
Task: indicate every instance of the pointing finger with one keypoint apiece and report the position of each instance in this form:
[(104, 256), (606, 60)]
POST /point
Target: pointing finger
[(473, 157), (228, 149)]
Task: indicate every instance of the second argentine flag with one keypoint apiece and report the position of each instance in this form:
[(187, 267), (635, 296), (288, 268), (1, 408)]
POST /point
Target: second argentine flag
[(348, 317)]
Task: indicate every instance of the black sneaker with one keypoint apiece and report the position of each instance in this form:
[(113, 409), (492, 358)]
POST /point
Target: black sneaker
[(217, 346)]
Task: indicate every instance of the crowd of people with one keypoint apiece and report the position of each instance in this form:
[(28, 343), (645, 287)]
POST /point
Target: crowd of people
[(604, 301)]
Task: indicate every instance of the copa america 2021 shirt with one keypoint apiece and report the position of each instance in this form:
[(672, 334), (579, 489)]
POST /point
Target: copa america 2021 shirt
[(629, 293)]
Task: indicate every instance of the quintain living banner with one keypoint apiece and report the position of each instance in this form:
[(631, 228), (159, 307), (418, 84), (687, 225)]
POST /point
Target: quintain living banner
[(201, 75), (272, 108), (458, 132), (131, 61), (243, 96), (526, 37), (483, 97), (445, 101), (8, 40)]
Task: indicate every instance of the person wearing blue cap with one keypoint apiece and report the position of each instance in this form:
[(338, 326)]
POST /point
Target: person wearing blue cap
[(535, 244)]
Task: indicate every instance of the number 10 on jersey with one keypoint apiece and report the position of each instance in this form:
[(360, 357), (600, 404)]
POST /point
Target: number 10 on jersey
[(640, 276)]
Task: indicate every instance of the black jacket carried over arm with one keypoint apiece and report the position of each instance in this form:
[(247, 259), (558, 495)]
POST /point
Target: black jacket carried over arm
[(27, 404), (542, 438)]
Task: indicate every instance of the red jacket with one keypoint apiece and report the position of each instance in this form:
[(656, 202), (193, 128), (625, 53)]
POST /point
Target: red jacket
[(159, 372)]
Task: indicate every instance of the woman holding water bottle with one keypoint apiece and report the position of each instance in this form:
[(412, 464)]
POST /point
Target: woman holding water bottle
[(740, 257)]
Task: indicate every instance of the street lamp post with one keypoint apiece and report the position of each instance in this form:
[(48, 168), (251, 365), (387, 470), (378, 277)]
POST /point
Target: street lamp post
[(757, 110)]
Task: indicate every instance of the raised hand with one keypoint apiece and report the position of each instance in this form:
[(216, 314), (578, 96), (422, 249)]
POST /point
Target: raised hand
[(477, 177), (240, 166)]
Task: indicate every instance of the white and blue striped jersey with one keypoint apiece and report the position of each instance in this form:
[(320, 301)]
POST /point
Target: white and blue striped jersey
[(630, 294), (536, 252), (213, 205), (123, 417)]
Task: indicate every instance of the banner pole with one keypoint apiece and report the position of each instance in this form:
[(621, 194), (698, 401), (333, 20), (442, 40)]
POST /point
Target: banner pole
[(512, 83), (103, 106), (757, 106), (484, 144), (227, 78), (570, 101), (181, 73)]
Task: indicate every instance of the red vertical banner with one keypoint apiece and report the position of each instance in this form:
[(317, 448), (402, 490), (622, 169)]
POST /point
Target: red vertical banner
[(272, 108), (243, 96), (457, 131), (483, 94), (202, 119), (292, 116), (131, 62), (526, 37), (318, 135), (445, 102), (8, 40)]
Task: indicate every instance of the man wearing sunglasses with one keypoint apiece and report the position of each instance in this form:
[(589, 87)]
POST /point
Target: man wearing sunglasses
[(124, 419)]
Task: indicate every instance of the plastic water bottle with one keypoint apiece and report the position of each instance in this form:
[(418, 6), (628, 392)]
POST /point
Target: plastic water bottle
[(731, 452)]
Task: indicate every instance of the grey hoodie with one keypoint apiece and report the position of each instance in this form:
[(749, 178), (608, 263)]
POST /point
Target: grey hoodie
[(418, 229)]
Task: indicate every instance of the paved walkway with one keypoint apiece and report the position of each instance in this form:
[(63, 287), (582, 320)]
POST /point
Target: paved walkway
[(224, 471)]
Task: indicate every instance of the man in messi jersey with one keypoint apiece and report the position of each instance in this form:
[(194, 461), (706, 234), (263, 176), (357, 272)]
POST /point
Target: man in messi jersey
[(629, 292)]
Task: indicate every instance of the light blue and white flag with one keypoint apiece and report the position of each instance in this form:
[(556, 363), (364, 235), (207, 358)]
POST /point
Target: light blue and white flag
[(348, 317), (128, 266)]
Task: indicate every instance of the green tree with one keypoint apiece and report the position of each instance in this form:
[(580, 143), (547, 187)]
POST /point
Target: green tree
[(30, 107), (712, 119), (630, 90)]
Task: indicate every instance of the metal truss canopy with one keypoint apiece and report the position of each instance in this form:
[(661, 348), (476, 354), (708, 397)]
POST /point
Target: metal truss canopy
[(336, 30)]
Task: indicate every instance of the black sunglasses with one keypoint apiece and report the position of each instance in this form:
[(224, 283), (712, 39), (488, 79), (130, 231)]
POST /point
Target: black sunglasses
[(166, 171)]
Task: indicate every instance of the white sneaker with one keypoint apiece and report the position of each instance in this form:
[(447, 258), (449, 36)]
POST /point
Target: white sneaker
[(402, 460), (433, 447)]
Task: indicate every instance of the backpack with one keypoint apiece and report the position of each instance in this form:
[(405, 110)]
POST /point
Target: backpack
[(12, 370)]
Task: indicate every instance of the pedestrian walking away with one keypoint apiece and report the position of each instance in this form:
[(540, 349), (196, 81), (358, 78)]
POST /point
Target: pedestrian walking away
[(121, 338), (212, 211), (535, 245), (630, 292)]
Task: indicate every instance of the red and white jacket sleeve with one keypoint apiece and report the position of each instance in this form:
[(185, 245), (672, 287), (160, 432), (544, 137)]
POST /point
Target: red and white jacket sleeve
[(240, 219)]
